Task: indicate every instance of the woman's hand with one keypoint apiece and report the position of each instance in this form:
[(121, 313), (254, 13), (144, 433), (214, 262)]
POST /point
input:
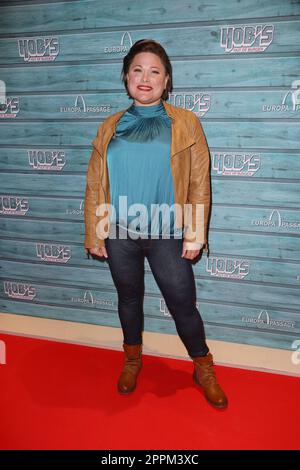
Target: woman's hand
[(189, 254), (99, 251)]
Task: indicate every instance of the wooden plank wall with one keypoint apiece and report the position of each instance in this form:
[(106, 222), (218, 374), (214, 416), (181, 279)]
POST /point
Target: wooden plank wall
[(236, 65)]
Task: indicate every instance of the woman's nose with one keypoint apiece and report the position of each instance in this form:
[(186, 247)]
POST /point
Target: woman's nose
[(145, 77)]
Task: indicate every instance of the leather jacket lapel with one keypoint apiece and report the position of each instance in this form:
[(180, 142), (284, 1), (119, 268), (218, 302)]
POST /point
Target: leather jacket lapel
[(181, 138)]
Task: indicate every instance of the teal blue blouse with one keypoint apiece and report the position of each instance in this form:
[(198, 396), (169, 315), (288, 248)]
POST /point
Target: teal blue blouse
[(138, 160)]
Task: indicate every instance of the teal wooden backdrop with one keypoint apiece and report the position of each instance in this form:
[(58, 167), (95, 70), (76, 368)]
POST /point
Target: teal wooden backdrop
[(236, 64)]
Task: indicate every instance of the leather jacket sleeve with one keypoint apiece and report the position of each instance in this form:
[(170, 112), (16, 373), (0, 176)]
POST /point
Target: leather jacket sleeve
[(92, 192), (199, 191)]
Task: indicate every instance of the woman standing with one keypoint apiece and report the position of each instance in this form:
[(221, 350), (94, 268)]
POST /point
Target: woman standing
[(152, 154)]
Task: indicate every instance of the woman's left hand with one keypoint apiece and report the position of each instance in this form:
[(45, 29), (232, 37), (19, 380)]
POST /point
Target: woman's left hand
[(189, 254)]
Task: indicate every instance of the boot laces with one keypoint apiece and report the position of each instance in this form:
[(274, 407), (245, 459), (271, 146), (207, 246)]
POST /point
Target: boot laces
[(206, 374), (131, 364)]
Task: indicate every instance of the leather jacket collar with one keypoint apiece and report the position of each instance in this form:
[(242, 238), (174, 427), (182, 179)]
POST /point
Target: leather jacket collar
[(182, 137)]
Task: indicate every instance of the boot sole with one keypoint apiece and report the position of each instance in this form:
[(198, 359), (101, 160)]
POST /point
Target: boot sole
[(126, 393)]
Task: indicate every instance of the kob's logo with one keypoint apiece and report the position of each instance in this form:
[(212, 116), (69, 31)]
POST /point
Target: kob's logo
[(13, 205), (247, 38), (10, 107), (38, 49)]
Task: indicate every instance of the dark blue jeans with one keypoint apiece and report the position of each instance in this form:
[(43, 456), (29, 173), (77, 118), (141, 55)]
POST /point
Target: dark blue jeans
[(175, 278)]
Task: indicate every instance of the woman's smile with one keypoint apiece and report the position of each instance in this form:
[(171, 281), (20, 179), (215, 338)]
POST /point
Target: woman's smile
[(144, 88)]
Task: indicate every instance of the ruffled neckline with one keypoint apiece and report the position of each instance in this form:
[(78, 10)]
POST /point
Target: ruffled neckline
[(147, 111), (143, 123)]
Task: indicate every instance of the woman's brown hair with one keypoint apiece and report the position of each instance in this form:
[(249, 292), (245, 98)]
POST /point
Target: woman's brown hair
[(148, 45)]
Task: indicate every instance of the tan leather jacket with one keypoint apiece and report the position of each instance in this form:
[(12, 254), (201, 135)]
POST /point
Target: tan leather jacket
[(190, 167)]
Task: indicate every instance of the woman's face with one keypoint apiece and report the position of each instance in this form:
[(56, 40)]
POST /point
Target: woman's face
[(146, 79)]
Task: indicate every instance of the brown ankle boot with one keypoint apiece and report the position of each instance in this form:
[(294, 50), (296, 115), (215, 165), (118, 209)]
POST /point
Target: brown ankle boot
[(204, 375), (131, 369)]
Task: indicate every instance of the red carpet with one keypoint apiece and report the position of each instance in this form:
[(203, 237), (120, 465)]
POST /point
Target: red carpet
[(63, 396)]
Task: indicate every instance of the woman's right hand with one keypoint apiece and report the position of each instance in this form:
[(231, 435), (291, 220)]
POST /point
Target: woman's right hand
[(99, 251)]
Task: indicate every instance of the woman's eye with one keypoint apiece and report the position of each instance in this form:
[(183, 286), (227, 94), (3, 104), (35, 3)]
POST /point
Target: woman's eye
[(139, 70)]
